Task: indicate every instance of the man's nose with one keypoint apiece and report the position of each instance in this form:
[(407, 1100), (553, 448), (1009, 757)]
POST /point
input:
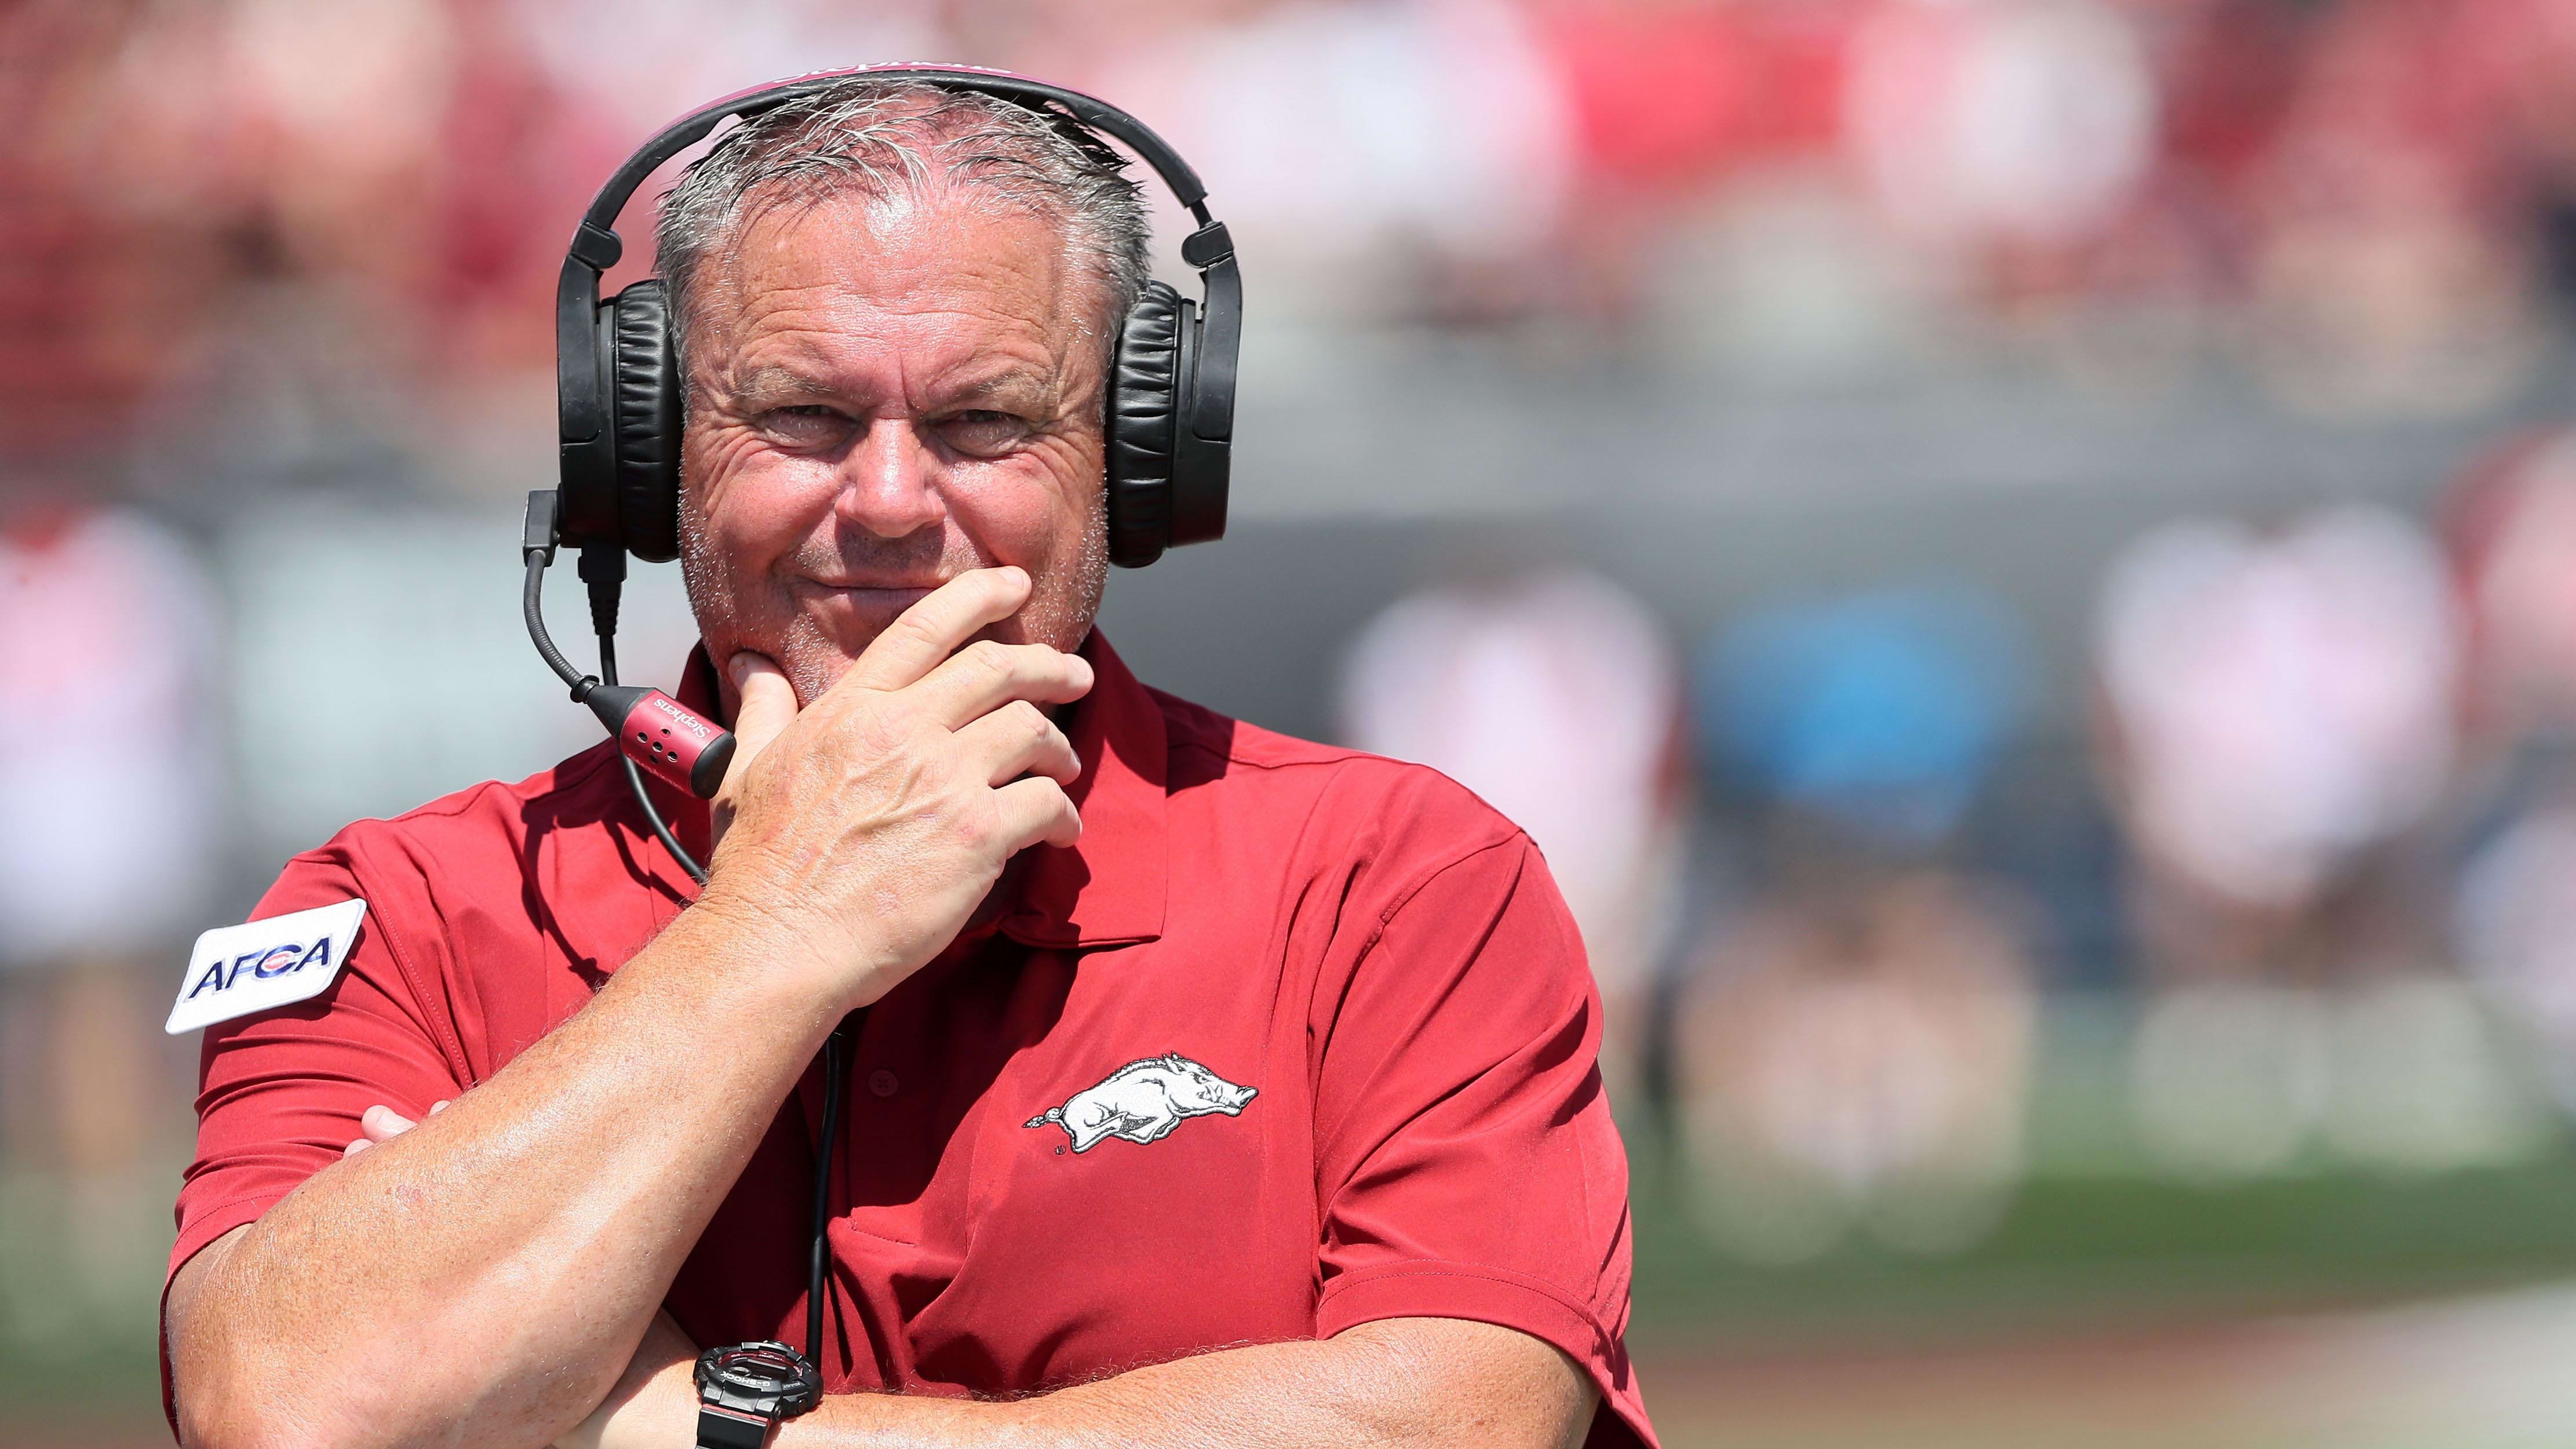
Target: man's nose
[(890, 480)]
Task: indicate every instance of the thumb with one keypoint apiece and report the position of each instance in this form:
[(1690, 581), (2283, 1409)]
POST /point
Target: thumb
[(768, 706)]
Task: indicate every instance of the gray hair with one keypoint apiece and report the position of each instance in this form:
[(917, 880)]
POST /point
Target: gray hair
[(878, 137)]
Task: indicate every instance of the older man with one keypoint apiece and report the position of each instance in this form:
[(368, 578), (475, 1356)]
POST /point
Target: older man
[(1215, 1088)]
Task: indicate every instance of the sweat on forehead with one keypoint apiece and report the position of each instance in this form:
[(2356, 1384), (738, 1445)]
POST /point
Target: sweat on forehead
[(905, 139)]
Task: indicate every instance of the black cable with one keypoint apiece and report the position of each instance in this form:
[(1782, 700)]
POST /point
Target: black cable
[(635, 777), (604, 569), (532, 609), (661, 831), (836, 1083)]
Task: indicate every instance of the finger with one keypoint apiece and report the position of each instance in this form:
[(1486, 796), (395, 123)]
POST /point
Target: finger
[(934, 627), (1018, 739), (437, 1107), (383, 1123), (1036, 811), (354, 1148), (767, 707), (986, 675)]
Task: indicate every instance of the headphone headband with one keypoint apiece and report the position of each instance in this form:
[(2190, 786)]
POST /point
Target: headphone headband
[(1097, 114)]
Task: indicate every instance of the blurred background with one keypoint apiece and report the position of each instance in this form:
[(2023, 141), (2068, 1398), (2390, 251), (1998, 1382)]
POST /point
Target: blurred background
[(2017, 556)]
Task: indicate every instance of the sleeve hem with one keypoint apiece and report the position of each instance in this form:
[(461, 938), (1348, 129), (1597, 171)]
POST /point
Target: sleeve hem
[(1428, 1289), (213, 1223)]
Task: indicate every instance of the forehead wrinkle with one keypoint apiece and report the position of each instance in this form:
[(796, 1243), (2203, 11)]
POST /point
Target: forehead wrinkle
[(798, 331), (1073, 293)]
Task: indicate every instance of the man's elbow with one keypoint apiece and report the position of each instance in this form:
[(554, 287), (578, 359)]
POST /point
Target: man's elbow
[(250, 1393), (242, 1431), (214, 1412), (243, 1391)]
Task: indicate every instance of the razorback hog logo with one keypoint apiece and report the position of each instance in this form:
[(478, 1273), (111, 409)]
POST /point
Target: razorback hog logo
[(1143, 1102)]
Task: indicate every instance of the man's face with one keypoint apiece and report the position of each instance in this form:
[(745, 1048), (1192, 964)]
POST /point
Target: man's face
[(882, 395)]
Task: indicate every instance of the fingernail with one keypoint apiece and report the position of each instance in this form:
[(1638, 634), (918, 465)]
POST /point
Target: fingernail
[(739, 668)]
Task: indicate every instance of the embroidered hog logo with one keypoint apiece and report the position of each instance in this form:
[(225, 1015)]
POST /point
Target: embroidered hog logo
[(1143, 1102)]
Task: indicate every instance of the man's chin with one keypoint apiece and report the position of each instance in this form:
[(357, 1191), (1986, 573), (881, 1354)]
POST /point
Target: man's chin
[(814, 659), (820, 644), (814, 668), (852, 617)]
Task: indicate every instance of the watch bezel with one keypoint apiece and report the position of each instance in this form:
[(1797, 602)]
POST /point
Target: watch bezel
[(765, 1377)]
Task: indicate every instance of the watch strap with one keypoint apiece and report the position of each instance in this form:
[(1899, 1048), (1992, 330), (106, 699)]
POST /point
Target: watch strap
[(722, 1428)]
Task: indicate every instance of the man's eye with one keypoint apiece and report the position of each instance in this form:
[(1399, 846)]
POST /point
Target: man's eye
[(981, 433), (808, 426)]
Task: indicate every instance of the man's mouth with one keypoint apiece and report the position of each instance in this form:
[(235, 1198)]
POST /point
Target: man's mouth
[(867, 590)]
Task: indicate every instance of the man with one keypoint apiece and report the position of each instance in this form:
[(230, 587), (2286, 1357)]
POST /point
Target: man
[(1373, 1196)]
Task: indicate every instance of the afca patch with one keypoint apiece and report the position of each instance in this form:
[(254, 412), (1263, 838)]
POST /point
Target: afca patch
[(237, 970)]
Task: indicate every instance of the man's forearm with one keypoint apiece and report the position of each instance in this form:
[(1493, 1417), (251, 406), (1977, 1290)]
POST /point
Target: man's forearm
[(1415, 1383), (487, 1277)]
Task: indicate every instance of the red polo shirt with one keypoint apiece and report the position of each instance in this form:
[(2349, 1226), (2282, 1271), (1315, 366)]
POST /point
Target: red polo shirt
[(1051, 1169)]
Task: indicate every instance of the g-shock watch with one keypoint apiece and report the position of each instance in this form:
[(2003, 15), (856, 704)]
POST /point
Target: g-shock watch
[(743, 1392)]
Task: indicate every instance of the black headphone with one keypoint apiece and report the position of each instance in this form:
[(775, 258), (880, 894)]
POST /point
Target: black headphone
[(1171, 390)]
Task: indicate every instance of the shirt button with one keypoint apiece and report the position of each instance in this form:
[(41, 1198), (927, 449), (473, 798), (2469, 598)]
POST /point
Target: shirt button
[(882, 1082)]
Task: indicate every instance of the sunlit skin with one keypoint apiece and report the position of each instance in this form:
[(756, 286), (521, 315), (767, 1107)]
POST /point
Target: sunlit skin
[(884, 393)]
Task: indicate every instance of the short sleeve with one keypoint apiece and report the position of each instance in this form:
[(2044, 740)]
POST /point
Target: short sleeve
[(280, 1092), (1467, 1163)]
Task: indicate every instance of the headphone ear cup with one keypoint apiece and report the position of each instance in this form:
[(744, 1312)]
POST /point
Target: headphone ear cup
[(644, 414), (1143, 407)]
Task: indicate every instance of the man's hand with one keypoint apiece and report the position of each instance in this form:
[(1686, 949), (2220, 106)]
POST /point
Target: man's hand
[(384, 1124), (860, 834)]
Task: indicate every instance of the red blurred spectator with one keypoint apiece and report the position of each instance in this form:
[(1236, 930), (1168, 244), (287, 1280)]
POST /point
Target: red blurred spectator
[(89, 306)]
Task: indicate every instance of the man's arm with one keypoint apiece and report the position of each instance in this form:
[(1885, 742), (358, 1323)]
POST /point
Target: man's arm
[(488, 1278), (1405, 1383), (475, 1277)]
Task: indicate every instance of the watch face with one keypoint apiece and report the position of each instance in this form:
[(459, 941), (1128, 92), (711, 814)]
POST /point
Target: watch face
[(759, 1376)]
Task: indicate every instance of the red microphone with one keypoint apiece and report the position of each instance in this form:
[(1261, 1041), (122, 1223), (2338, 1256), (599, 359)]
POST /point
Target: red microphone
[(667, 738)]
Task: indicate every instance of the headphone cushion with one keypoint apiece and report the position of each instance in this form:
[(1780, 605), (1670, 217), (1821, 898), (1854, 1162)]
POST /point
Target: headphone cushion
[(1143, 404), (644, 406)]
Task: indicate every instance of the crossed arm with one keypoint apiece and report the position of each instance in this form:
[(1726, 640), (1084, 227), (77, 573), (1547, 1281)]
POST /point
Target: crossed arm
[(1410, 1383), (493, 1321), (1407, 1383), (494, 1277)]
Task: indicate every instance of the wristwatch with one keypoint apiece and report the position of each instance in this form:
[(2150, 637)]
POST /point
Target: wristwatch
[(743, 1392)]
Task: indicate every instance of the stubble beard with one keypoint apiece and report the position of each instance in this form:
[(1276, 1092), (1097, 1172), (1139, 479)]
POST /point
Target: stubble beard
[(1063, 603)]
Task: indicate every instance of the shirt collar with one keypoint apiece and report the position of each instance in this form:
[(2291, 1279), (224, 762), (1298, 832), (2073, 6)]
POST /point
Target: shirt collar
[(1108, 888)]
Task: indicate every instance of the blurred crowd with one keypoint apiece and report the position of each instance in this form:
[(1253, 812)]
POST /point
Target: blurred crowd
[(2329, 756), (2366, 205), (259, 258)]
